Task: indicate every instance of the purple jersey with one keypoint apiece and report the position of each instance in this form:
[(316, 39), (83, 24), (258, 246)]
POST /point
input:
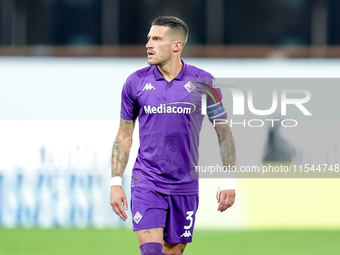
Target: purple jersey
[(170, 120)]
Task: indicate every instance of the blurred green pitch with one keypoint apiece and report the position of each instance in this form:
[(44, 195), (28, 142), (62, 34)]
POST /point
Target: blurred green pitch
[(123, 242)]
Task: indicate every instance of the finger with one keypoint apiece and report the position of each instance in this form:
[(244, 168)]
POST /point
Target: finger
[(228, 203), (220, 207), (220, 204), (122, 212), (232, 201), (125, 203), (225, 206), (218, 194), (224, 201), (116, 210)]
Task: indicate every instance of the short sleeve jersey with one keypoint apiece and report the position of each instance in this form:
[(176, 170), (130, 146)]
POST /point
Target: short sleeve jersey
[(170, 119)]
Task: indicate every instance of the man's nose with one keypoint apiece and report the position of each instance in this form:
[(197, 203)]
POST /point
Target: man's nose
[(148, 44)]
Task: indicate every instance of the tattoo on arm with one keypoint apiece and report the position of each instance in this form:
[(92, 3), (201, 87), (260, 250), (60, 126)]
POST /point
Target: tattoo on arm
[(126, 121), (121, 148), (227, 146)]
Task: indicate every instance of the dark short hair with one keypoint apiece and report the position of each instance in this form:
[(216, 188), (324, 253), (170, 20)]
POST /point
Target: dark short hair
[(176, 25)]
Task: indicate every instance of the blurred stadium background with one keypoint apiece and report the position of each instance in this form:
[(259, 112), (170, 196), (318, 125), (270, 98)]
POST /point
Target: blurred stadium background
[(62, 67)]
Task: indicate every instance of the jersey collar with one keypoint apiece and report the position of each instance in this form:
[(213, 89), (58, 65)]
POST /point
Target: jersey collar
[(179, 77)]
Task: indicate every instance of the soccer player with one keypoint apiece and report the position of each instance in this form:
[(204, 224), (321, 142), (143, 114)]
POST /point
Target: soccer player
[(167, 101)]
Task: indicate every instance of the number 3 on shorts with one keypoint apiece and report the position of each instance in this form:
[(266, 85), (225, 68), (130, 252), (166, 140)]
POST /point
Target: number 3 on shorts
[(189, 217)]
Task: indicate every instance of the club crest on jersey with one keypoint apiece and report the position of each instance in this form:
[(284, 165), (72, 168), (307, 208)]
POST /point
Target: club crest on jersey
[(137, 217), (189, 87), (148, 86)]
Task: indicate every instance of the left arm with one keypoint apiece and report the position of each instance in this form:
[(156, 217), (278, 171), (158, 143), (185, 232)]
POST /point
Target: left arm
[(226, 197)]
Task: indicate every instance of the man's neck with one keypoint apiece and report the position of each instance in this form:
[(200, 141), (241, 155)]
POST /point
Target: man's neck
[(171, 70)]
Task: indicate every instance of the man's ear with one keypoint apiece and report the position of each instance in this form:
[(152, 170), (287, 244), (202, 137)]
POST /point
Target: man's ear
[(177, 46)]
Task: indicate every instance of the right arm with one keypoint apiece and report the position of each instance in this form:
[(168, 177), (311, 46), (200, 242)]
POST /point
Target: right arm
[(120, 157), (121, 147)]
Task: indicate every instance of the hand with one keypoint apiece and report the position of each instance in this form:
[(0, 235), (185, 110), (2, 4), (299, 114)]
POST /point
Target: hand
[(117, 198), (225, 199)]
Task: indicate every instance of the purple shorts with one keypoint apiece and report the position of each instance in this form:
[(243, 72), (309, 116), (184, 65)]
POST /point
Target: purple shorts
[(174, 213)]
